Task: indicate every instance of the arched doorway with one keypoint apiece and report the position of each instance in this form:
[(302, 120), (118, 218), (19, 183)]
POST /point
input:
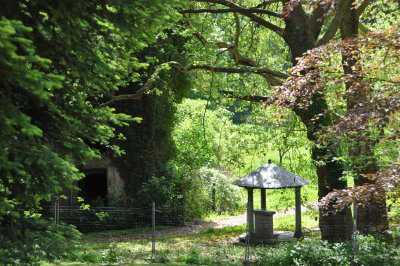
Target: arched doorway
[(94, 187)]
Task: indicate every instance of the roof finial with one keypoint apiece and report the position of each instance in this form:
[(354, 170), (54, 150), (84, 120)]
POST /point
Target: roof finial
[(269, 161)]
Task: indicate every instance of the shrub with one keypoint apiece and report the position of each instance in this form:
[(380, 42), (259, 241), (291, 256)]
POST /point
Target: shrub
[(37, 240), (275, 255), (221, 193), (157, 189), (319, 252), (216, 193), (371, 251)]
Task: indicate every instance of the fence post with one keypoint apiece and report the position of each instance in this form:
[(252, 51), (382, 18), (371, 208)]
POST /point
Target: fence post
[(355, 233), (153, 233), (247, 249), (56, 212), (182, 208)]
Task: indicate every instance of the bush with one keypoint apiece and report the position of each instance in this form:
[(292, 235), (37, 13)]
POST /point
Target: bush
[(275, 255), (319, 252), (157, 189), (36, 239), (371, 251), (216, 193)]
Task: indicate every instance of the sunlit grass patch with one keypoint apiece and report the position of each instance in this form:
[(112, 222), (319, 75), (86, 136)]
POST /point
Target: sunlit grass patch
[(288, 222)]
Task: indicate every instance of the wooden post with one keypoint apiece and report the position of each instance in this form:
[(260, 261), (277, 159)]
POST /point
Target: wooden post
[(298, 233), (263, 199), (250, 215)]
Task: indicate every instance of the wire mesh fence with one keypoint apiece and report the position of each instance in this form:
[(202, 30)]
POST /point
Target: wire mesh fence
[(114, 218)]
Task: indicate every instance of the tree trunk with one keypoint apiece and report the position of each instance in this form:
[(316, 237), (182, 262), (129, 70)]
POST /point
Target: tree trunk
[(337, 226), (300, 37), (373, 217), (334, 227)]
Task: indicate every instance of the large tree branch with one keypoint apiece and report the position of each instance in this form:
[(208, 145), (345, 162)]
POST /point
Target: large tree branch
[(250, 10), (138, 95), (335, 23), (254, 70), (238, 57), (148, 85), (318, 18), (362, 7), (251, 16), (238, 31)]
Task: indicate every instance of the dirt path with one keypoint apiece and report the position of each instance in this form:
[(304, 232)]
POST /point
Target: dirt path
[(192, 228)]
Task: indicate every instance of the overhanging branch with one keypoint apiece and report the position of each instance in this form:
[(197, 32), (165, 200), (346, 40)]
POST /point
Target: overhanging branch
[(259, 20), (251, 10), (138, 95), (334, 25), (270, 76), (148, 85), (255, 70)]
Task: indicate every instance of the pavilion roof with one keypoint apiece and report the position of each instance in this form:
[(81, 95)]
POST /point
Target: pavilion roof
[(271, 176)]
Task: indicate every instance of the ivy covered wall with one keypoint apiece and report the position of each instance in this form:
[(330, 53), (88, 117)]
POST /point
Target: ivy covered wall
[(148, 145)]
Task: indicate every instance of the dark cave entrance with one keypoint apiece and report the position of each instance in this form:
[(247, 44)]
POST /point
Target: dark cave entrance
[(94, 187)]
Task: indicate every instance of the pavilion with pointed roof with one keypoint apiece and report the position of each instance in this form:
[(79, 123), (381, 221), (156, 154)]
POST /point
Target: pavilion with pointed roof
[(269, 176)]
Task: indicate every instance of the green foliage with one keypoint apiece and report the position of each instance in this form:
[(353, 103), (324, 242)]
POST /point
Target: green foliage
[(149, 145), (102, 215), (193, 257), (162, 256), (34, 240), (374, 251), (216, 194), (200, 134), (317, 252), (222, 196), (157, 189), (371, 251), (218, 246), (206, 139), (58, 64), (111, 255)]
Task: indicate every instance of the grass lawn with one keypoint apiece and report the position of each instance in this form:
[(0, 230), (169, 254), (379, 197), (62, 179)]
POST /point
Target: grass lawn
[(208, 247)]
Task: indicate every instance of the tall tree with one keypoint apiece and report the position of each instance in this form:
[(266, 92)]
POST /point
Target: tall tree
[(302, 26), (366, 124), (58, 61), (362, 154)]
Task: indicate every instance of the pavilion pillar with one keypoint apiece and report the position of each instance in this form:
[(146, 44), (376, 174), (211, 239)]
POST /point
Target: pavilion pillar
[(250, 213), (298, 233), (263, 199)]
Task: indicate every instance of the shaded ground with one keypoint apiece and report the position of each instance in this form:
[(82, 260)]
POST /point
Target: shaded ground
[(173, 230)]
